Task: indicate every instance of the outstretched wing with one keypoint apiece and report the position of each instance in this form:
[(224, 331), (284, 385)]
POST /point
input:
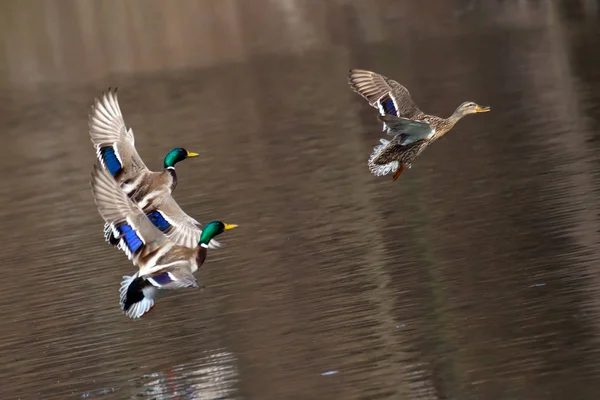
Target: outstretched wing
[(179, 227), (114, 143), (385, 94), (130, 226)]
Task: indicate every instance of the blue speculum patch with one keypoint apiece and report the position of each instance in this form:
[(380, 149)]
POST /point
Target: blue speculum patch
[(130, 237), (388, 107), (162, 279), (110, 160), (158, 220)]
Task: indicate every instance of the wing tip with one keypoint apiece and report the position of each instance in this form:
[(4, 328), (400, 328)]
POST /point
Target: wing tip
[(354, 71), (111, 96)]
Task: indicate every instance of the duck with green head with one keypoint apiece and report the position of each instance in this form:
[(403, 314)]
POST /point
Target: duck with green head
[(162, 263), (411, 129), (116, 152)]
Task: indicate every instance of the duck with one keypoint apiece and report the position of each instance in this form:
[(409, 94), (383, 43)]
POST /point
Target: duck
[(162, 264), (152, 191), (411, 130)]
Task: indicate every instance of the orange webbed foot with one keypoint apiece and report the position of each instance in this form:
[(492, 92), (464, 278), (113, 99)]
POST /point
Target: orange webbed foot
[(398, 172), (151, 308)]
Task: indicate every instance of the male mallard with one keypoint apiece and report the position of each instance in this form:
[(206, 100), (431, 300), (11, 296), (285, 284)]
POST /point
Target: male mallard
[(162, 263), (411, 129), (115, 149)]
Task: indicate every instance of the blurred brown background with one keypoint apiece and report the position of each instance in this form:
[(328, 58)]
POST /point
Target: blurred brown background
[(474, 276)]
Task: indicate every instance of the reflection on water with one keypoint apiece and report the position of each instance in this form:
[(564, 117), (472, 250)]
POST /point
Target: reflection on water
[(474, 276), (213, 377)]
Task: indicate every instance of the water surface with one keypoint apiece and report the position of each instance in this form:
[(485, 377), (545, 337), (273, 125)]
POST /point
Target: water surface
[(474, 276)]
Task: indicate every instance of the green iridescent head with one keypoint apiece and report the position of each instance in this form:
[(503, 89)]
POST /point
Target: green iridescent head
[(213, 229), (176, 155)]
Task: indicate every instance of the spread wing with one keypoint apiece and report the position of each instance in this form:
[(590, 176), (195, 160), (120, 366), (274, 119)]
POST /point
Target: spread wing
[(385, 94), (178, 226), (114, 143), (130, 226)]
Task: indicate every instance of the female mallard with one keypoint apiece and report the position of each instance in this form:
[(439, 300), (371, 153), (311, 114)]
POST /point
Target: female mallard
[(162, 263), (411, 129), (115, 149)]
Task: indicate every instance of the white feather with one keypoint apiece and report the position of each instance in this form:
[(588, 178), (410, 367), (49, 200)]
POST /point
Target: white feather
[(153, 282), (158, 267), (381, 170), (99, 157), (116, 150), (380, 107), (138, 309), (395, 104), (107, 231), (129, 131), (173, 277), (182, 234)]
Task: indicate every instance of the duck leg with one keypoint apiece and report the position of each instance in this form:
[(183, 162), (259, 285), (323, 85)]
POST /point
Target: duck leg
[(398, 171)]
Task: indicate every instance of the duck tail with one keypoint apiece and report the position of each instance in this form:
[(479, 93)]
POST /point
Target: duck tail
[(381, 169), (137, 296)]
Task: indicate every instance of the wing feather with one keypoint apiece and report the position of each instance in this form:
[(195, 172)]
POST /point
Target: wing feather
[(119, 211), (184, 230), (376, 88), (107, 129)]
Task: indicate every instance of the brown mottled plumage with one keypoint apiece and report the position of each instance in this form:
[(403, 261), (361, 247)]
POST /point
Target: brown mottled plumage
[(411, 129)]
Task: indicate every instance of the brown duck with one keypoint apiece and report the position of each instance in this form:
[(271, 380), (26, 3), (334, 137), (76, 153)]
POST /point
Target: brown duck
[(411, 129)]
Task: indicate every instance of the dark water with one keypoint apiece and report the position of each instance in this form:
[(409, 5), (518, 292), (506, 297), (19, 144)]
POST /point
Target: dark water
[(474, 276)]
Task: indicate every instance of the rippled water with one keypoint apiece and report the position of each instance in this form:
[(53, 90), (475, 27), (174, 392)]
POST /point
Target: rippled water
[(474, 276)]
